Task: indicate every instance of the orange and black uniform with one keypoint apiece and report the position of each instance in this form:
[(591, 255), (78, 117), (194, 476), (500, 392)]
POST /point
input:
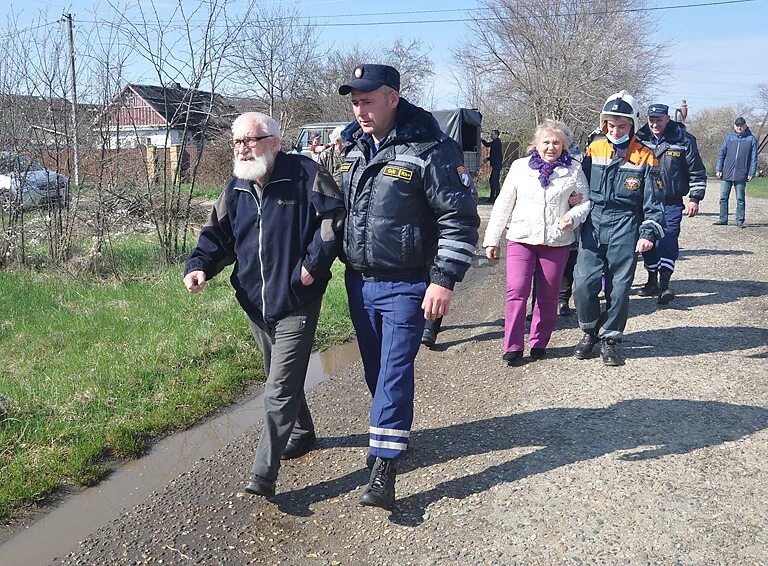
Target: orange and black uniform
[(627, 199)]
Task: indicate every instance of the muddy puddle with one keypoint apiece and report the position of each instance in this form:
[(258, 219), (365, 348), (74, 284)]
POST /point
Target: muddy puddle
[(71, 520)]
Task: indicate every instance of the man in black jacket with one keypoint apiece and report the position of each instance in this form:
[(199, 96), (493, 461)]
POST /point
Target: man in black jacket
[(682, 173), (410, 234), (495, 158), (279, 221)]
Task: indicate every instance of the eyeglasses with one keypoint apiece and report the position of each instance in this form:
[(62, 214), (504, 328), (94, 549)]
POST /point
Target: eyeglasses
[(250, 142)]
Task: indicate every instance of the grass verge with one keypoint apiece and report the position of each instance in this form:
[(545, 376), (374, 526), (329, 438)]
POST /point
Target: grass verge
[(93, 369), (758, 187)]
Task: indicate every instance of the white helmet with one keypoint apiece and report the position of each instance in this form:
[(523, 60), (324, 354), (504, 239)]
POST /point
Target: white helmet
[(621, 104)]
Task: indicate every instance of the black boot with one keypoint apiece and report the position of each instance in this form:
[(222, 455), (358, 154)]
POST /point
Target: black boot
[(585, 345), (666, 295), (652, 287), (610, 353), (563, 309), (381, 487)]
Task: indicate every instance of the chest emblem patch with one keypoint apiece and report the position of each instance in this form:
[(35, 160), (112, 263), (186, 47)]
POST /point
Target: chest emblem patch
[(399, 172), (673, 153), (345, 167), (632, 183)]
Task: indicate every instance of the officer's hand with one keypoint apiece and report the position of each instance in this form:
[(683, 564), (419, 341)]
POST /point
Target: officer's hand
[(306, 278), (194, 281), (719, 174), (492, 252), (437, 301), (575, 198), (692, 209), (643, 245)]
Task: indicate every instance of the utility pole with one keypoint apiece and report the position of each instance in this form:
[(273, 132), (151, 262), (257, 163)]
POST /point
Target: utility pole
[(75, 147)]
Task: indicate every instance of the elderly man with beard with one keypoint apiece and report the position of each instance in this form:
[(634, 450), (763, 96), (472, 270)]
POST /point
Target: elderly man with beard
[(279, 221)]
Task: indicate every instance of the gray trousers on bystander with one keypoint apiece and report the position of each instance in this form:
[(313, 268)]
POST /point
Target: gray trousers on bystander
[(286, 347)]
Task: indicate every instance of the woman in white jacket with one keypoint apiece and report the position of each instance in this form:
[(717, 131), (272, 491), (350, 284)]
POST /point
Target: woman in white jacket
[(534, 208)]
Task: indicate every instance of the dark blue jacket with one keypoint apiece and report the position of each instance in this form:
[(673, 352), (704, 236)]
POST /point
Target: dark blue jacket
[(410, 210), (680, 164), (297, 223), (737, 159)]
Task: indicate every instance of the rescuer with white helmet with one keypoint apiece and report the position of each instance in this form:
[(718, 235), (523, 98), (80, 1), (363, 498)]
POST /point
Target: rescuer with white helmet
[(626, 218)]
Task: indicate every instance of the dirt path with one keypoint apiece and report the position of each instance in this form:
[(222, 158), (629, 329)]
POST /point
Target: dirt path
[(662, 460)]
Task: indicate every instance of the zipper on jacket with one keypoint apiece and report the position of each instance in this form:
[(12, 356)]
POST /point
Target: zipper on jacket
[(261, 259)]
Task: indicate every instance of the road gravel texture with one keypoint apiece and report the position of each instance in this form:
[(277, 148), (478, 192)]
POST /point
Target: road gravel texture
[(663, 460)]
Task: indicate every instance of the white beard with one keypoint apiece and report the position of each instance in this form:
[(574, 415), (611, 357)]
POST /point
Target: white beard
[(254, 169)]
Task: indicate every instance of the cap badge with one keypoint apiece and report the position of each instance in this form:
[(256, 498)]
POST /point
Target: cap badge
[(359, 72)]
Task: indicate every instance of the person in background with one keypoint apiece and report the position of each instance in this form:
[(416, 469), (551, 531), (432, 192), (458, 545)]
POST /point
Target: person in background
[(283, 211), (533, 207), (626, 218), (330, 157), (410, 237), (495, 159), (683, 173), (736, 165)]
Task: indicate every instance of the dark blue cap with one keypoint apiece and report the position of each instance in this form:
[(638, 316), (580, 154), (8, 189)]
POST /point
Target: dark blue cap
[(658, 110), (740, 121), (366, 78)]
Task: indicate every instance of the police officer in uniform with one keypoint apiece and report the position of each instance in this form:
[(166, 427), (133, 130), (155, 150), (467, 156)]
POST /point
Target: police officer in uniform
[(410, 235), (683, 173), (626, 218)]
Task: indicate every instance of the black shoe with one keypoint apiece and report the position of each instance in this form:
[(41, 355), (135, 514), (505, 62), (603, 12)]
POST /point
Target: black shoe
[(651, 288), (381, 488), (740, 225), (258, 485), (512, 357), (610, 353), (584, 348), (297, 447), (429, 337), (563, 309), (720, 223), (538, 353), (666, 295)]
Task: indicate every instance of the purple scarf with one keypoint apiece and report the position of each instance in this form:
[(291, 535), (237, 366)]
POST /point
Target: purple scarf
[(545, 168)]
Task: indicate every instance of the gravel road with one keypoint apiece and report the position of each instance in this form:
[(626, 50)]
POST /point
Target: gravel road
[(664, 460)]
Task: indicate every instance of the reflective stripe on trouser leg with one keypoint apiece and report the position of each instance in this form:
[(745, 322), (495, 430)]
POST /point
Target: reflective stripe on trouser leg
[(587, 276), (668, 246), (402, 324)]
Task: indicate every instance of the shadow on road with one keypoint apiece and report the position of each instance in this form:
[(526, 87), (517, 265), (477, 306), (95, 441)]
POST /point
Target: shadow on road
[(651, 428)]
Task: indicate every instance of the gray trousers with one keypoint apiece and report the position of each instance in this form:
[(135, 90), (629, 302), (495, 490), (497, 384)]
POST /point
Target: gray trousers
[(286, 347)]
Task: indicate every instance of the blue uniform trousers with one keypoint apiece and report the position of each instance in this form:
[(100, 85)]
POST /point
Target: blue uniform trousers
[(389, 322), (666, 251), (617, 260)]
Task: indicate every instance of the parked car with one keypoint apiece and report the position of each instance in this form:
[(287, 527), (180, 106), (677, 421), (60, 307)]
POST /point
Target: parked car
[(26, 184)]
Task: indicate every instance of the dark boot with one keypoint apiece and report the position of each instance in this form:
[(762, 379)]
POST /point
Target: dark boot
[(585, 345), (666, 295), (258, 485), (610, 353), (563, 309), (651, 288), (429, 337), (381, 487)]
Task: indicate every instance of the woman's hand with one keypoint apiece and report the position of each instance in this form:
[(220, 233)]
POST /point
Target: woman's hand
[(492, 252), (566, 222)]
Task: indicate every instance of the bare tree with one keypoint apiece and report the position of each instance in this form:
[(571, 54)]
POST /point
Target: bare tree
[(559, 58)]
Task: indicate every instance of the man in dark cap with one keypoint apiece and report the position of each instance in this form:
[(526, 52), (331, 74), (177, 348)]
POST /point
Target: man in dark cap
[(406, 244), (736, 165), (683, 173)]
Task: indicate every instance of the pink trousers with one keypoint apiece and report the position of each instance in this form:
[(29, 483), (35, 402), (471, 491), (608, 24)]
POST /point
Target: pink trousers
[(547, 265)]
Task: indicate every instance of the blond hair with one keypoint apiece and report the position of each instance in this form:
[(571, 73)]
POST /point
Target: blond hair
[(549, 126)]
